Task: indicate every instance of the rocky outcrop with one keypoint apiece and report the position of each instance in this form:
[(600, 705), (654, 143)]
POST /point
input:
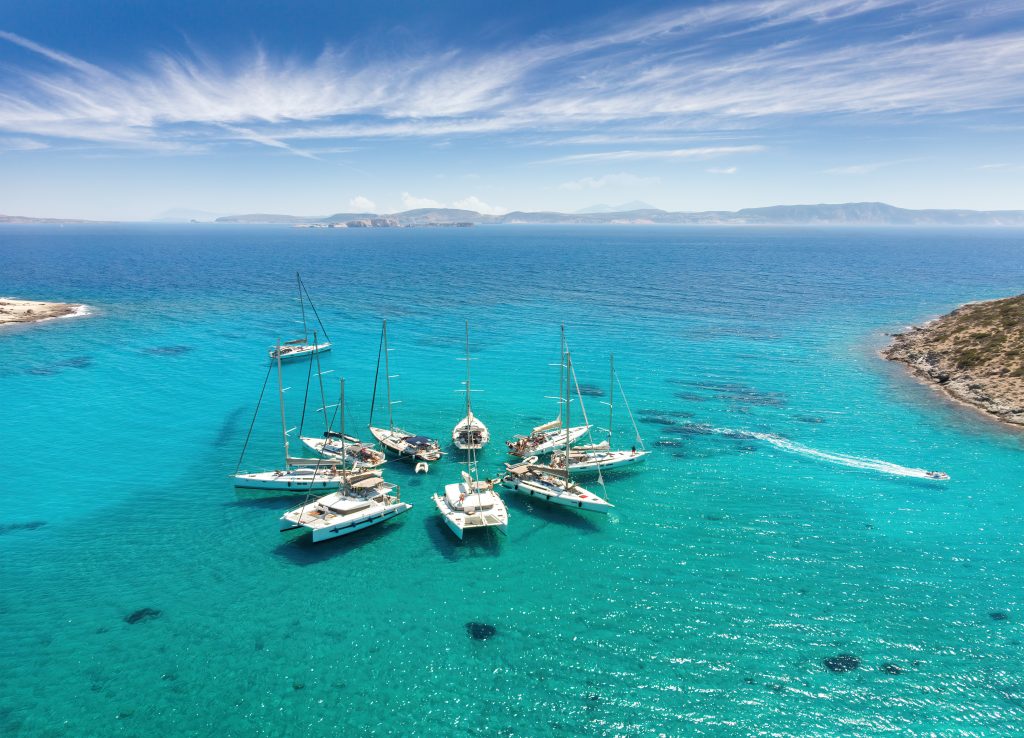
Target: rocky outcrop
[(975, 354)]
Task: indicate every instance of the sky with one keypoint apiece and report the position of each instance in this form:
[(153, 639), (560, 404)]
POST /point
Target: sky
[(124, 110)]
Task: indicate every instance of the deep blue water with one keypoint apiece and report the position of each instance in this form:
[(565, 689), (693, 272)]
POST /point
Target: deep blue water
[(705, 603)]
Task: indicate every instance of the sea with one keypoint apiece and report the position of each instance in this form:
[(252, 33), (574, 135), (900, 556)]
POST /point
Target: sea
[(781, 521)]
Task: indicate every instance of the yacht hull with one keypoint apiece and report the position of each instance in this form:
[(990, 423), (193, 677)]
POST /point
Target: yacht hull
[(347, 526), (284, 483), (579, 501), (302, 352)]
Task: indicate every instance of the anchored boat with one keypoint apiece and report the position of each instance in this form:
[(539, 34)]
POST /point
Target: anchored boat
[(408, 446), (298, 475), (299, 348), (547, 437), (600, 456), (550, 484), (470, 432)]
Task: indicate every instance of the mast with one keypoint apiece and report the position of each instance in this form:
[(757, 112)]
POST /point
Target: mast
[(568, 401), (323, 396), (611, 397), (469, 402), (302, 305), (561, 360), (387, 377), (280, 392), (341, 408)]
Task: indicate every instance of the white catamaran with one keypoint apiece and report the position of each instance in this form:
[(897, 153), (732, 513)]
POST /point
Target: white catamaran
[(298, 475), (470, 433), (406, 445), (600, 456), (555, 485), (547, 437), (301, 347), (362, 500)]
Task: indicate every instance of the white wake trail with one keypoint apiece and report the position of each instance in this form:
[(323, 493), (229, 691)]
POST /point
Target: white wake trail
[(855, 462)]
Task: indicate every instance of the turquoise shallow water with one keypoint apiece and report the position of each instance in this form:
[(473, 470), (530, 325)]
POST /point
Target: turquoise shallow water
[(704, 604)]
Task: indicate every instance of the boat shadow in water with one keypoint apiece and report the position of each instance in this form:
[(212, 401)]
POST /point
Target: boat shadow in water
[(476, 542), (298, 546), (550, 514)]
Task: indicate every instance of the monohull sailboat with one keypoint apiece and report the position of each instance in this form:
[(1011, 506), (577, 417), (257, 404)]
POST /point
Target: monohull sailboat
[(601, 456), (555, 485), (406, 445), (298, 475), (470, 433), (298, 348), (547, 437)]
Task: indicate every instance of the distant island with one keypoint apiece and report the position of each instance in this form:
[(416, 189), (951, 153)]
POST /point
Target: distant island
[(974, 354), (844, 214), (863, 213)]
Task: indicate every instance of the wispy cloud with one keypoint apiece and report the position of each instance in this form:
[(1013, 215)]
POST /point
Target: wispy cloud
[(18, 143), (622, 179), (867, 168), (722, 170), (696, 152), (708, 68)]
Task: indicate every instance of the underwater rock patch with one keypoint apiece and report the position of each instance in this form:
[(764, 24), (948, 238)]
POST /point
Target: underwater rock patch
[(691, 429), (809, 419), (591, 390), (690, 396), (77, 362), (480, 631), (168, 350), (999, 615), (42, 371), (842, 663), (12, 527), (658, 420), (140, 615), (890, 668)]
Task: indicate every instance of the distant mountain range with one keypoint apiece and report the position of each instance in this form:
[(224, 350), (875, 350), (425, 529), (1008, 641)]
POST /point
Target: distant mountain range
[(623, 208), (859, 213), (856, 213)]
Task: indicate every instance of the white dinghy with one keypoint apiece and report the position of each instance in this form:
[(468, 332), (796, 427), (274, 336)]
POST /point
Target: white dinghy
[(408, 446), (470, 432), (299, 348)]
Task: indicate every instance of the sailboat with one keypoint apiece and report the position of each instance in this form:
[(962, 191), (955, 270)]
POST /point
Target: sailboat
[(362, 500), (471, 503), (470, 433), (554, 485), (340, 446), (298, 475), (298, 348), (600, 456), (547, 437), (407, 445)]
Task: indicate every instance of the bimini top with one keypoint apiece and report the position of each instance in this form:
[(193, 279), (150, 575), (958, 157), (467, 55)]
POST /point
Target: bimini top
[(419, 440)]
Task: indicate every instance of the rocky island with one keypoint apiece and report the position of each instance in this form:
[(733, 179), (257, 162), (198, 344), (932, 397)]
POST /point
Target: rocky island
[(32, 311), (974, 354)]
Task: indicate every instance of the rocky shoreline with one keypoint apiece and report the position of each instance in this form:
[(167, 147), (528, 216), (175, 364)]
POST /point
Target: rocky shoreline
[(974, 354), (14, 311)]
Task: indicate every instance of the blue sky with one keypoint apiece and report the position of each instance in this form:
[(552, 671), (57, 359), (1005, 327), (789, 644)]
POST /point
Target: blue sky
[(122, 110)]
